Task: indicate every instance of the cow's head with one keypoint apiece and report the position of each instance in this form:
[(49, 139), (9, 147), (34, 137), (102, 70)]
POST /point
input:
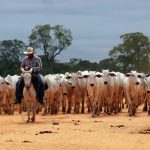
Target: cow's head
[(134, 77)]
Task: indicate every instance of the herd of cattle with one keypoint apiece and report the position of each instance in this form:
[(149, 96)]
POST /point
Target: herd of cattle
[(91, 91)]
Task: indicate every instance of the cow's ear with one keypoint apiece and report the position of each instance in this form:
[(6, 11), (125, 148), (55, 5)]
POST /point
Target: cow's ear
[(79, 73), (112, 74), (139, 76), (7, 83), (128, 74), (68, 77), (98, 75), (147, 75), (85, 76)]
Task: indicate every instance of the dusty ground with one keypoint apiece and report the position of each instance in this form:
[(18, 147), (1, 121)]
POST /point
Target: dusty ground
[(75, 132)]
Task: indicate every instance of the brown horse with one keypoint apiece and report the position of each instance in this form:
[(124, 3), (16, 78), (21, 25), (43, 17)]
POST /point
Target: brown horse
[(29, 95)]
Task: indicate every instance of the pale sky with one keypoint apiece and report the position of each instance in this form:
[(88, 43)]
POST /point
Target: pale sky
[(96, 25)]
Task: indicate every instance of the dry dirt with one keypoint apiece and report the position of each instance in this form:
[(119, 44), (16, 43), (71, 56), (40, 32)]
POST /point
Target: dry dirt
[(76, 132)]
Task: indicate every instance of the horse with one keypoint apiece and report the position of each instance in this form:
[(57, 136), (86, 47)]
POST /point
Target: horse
[(29, 95)]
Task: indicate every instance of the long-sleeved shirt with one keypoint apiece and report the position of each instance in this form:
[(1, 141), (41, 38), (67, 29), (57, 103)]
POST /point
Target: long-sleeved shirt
[(34, 63)]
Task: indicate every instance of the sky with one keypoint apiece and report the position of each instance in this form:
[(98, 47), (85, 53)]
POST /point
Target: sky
[(96, 25)]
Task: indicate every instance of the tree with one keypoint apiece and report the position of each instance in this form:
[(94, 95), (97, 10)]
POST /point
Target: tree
[(79, 64), (74, 61), (10, 52), (51, 40), (133, 53), (87, 65), (108, 64)]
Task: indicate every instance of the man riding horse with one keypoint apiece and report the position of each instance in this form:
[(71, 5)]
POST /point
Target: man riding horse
[(28, 62)]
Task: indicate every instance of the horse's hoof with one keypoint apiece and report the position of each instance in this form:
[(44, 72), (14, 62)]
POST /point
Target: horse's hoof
[(82, 112), (93, 115), (32, 120), (43, 114), (63, 110), (144, 109), (109, 113), (98, 114), (68, 111), (28, 121)]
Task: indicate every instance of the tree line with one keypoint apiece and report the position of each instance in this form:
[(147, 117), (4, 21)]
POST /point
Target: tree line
[(132, 54)]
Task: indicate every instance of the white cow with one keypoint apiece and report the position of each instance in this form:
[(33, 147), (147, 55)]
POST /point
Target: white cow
[(95, 87), (12, 80), (74, 90), (52, 94), (78, 89), (81, 90), (7, 96), (68, 92), (111, 89), (120, 98), (142, 92), (132, 86), (147, 90)]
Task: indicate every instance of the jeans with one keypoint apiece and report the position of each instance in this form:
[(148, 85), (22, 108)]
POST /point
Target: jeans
[(39, 88), (19, 90)]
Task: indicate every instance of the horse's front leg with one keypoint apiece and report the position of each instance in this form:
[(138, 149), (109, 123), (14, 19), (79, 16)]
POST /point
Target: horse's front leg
[(28, 112), (34, 113)]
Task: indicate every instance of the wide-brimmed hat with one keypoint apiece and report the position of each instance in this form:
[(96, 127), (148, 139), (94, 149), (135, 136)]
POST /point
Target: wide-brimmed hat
[(29, 50)]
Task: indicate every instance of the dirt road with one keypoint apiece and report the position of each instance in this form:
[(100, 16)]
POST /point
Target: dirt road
[(75, 132)]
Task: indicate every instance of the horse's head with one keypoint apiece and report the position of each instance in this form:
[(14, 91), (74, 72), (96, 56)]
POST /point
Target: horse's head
[(26, 77)]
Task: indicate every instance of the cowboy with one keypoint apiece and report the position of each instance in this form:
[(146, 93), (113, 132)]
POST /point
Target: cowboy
[(28, 62)]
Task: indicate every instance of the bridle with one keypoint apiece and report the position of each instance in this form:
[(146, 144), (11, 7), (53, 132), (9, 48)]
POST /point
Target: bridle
[(27, 76)]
